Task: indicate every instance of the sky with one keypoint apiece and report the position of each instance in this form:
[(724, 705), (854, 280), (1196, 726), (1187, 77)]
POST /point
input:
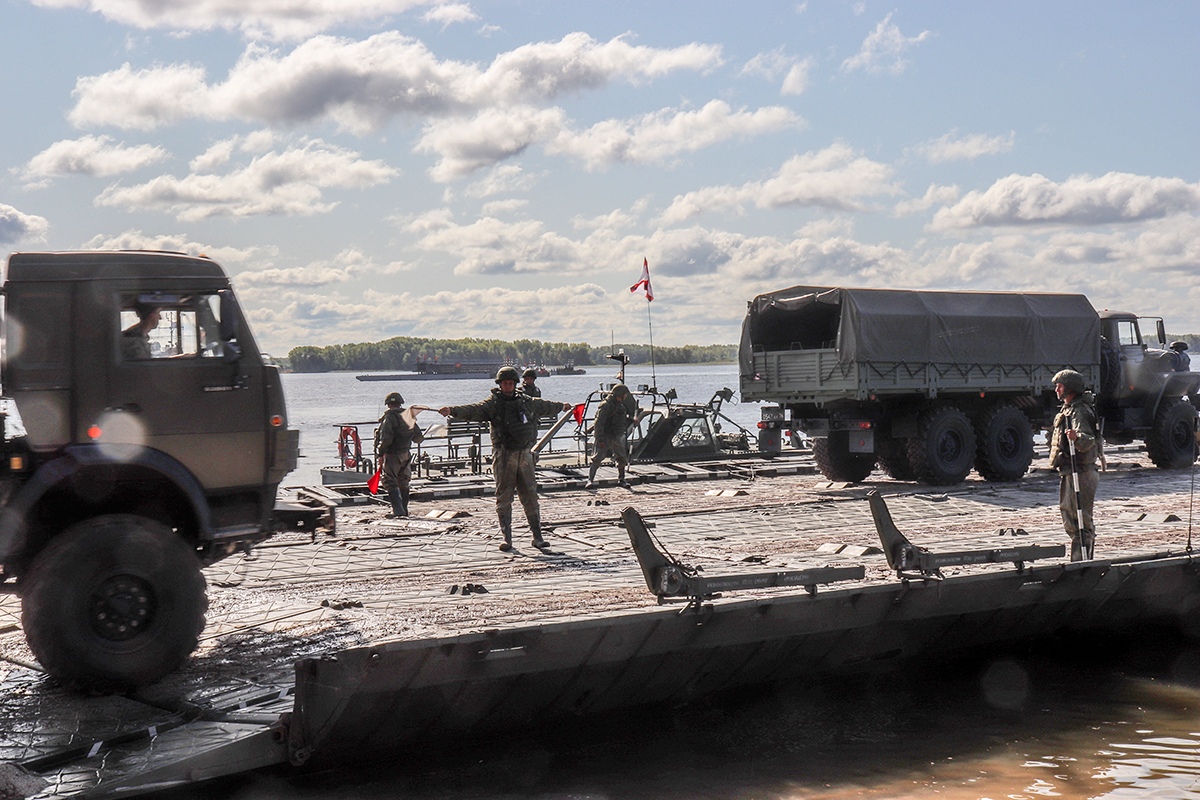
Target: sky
[(374, 168)]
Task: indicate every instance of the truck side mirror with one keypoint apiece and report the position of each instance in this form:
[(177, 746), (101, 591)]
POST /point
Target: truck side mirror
[(1162, 334), (229, 326)]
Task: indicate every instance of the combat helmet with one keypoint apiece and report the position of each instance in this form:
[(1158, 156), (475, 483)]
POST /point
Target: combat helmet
[(1071, 380), (508, 373), (393, 398), (529, 372), (620, 390)]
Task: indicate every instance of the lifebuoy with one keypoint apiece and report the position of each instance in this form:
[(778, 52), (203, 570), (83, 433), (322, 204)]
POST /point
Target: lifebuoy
[(349, 447)]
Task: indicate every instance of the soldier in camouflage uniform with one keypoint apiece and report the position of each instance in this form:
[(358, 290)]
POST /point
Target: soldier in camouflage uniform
[(529, 383), (396, 437), (612, 425), (513, 417), (1075, 422)]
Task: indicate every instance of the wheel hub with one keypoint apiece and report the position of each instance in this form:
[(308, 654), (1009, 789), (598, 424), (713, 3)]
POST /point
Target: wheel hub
[(121, 607)]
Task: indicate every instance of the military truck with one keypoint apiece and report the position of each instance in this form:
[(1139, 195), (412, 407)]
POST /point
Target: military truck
[(144, 437), (930, 384)]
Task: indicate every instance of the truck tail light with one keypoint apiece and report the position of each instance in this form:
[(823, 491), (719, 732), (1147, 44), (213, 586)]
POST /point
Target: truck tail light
[(276, 421)]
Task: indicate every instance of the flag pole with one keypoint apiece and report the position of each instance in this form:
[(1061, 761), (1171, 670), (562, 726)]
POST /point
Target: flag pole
[(650, 325)]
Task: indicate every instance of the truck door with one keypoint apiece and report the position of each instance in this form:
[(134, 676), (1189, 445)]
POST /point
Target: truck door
[(176, 387), (1132, 354)]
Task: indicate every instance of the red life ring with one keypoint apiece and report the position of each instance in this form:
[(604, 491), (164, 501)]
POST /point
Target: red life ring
[(349, 447)]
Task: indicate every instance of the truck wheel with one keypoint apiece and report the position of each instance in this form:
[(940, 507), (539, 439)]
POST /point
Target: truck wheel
[(944, 448), (1005, 443), (114, 602), (1172, 441), (837, 463), (893, 457)]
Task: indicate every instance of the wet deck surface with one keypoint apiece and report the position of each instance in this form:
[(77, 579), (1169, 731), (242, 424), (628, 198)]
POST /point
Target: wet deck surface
[(381, 579)]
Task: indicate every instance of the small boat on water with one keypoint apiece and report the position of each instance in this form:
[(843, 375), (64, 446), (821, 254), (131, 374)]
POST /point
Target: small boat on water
[(569, 369)]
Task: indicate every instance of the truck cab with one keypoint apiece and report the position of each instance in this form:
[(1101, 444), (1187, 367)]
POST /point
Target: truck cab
[(152, 439)]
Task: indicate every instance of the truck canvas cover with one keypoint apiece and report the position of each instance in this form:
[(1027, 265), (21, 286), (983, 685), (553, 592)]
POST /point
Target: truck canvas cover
[(898, 325)]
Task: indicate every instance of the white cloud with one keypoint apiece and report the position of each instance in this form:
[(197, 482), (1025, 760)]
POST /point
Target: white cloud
[(277, 19), (657, 137), (950, 147), (362, 85), (16, 226), (89, 155), (490, 246), (934, 195), (501, 179), (1116, 197), (490, 137), (777, 65), (447, 14), (347, 265), (836, 177), (180, 243), (290, 182), (884, 49)]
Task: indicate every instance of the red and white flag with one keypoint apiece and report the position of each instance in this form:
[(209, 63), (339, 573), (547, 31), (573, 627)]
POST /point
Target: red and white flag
[(644, 282)]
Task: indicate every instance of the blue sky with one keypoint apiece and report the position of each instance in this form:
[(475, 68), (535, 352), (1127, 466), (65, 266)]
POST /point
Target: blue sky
[(500, 169)]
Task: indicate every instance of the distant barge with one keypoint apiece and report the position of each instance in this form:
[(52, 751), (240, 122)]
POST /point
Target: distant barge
[(454, 639), (434, 370)]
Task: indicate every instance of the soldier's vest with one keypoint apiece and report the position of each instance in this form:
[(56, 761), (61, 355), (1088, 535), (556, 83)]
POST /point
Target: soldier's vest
[(515, 427)]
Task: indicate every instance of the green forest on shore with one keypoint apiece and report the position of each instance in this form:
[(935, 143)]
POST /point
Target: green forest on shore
[(406, 352)]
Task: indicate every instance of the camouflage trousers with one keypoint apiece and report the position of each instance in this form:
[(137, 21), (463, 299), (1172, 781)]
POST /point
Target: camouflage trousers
[(1085, 538), (513, 471)]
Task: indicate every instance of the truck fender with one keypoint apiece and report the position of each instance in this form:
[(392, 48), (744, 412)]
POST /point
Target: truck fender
[(80, 458)]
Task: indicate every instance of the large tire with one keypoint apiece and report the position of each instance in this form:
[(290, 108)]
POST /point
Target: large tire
[(893, 457), (1004, 443), (944, 449), (1172, 441), (837, 463), (114, 602)]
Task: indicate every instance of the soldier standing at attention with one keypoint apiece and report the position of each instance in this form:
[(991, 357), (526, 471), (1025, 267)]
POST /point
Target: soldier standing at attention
[(513, 417), (396, 437), (612, 424), (529, 383), (1075, 422)]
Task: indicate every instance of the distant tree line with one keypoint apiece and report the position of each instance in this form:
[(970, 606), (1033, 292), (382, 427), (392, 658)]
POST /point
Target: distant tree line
[(406, 352)]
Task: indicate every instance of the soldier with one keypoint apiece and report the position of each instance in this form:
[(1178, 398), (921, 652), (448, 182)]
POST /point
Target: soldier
[(1183, 362), (396, 436), (1075, 422), (529, 383), (513, 417), (612, 424)]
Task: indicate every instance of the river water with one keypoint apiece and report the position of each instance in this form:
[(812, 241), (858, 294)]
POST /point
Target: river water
[(1069, 720)]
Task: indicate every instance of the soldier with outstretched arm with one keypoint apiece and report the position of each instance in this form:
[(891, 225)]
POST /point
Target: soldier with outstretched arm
[(514, 427)]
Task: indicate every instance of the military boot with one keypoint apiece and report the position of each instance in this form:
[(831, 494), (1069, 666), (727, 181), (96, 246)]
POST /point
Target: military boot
[(1076, 549), (591, 483), (505, 529), (624, 484), (398, 507), (535, 526), (404, 492)]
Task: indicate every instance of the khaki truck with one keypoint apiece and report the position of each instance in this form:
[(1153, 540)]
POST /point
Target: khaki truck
[(144, 437), (929, 385)]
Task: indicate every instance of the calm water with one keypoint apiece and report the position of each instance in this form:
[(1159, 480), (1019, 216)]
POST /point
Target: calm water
[(1030, 726), (317, 403), (1119, 722)]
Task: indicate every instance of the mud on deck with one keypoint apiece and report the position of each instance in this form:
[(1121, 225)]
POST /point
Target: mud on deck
[(379, 579)]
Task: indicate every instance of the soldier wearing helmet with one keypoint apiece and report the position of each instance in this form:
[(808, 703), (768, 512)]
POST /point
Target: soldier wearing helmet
[(396, 434), (612, 426), (1183, 362), (529, 383), (1075, 423), (513, 417)]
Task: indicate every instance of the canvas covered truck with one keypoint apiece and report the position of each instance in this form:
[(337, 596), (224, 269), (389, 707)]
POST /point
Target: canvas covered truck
[(143, 437), (929, 385)]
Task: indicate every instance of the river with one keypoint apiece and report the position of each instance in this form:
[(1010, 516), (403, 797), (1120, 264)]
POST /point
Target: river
[(1108, 721)]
